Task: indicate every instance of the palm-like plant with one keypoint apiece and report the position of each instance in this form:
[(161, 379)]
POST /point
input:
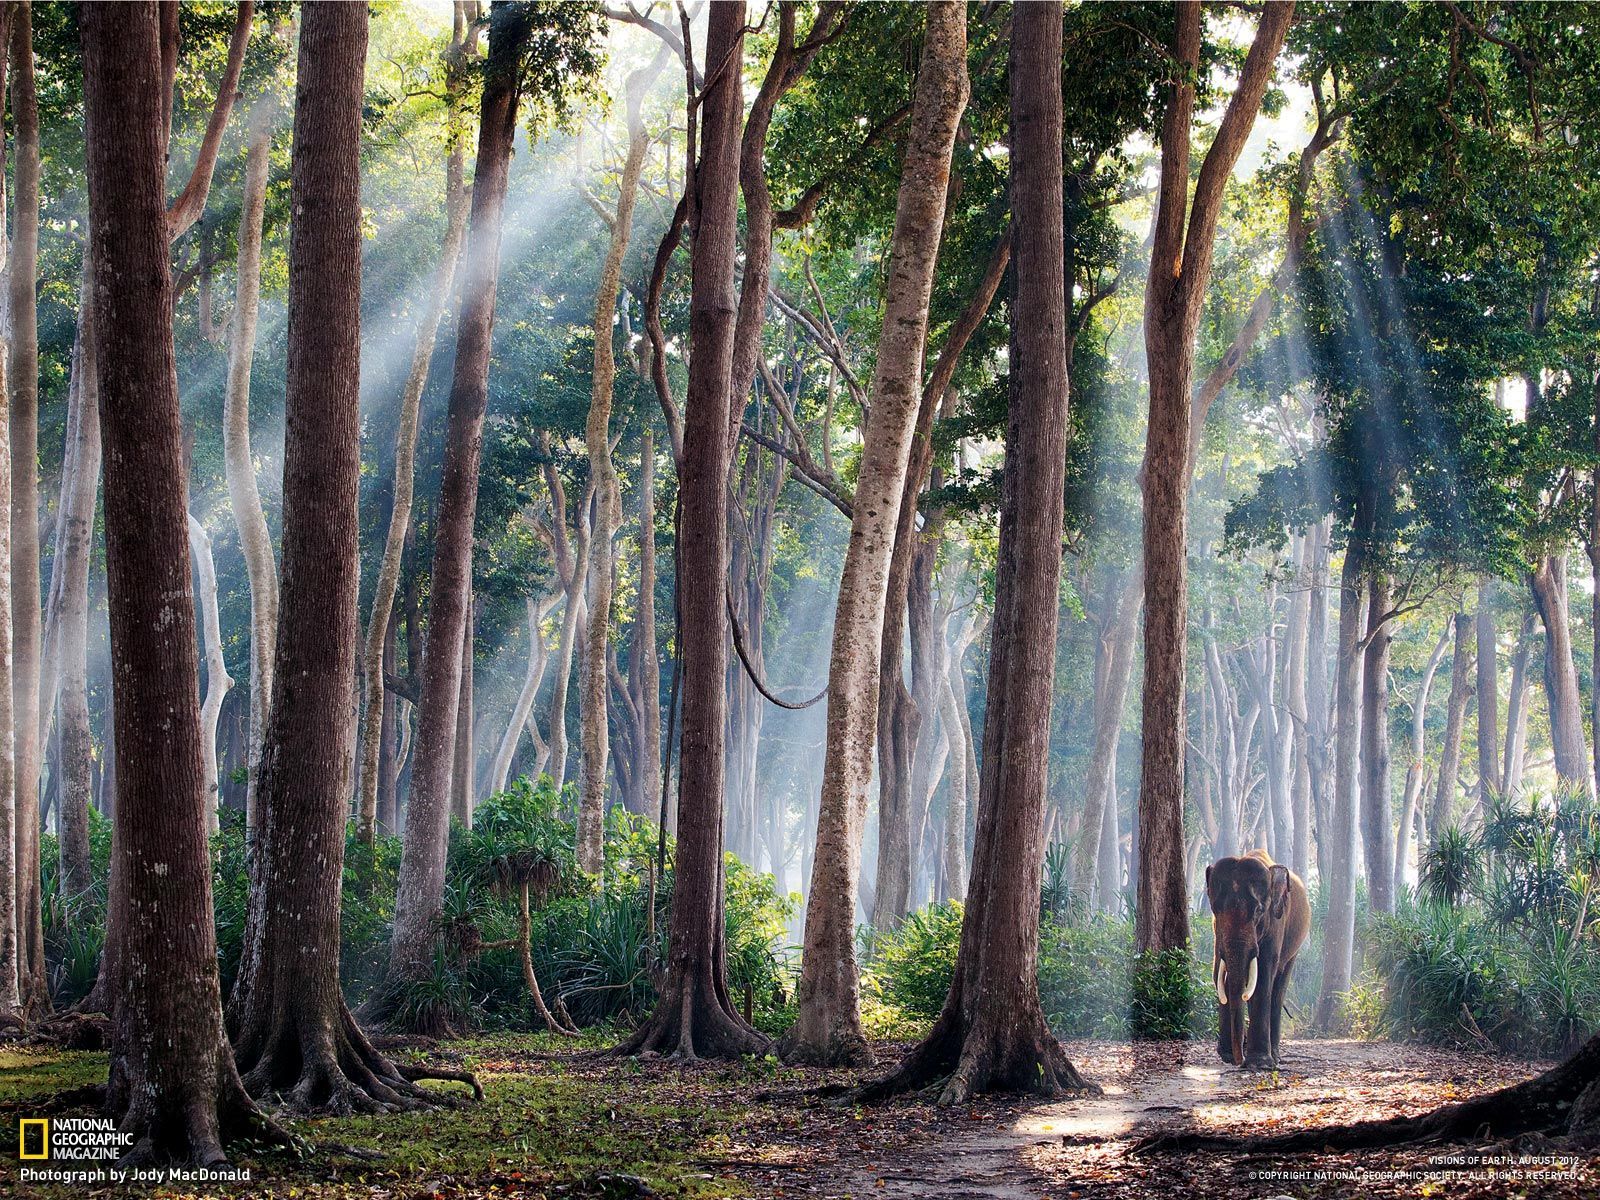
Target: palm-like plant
[(520, 847), (1452, 867)]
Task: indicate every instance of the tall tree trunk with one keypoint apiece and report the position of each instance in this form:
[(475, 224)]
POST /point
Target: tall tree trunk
[(608, 498), (1404, 876), (292, 1034), (1377, 828), (72, 621), (1108, 882), (1444, 799), (644, 663), (828, 1030), (1517, 710), (1114, 650), (1185, 235), (218, 681), (405, 436), (421, 883), (463, 756), (1298, 708), (953, 703), (991, 1034), (255, 540), (567, 645), (388, 798), (10, 949), (1318, 742), (1549, 585), (695, 1017), (1340, 831), (538, 659), (1489, 691), (172, 1080), (26, 617)]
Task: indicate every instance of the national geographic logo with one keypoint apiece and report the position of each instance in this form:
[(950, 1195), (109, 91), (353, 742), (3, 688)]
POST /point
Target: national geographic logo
[(71, 1139)]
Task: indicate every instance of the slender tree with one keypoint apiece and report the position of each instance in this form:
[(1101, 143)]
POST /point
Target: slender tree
[(1377, 821), (992, 1033), (172, 1080), (607, 496), (694, 1017), (1181, 257), (1444, 797), (218, 681), (26, 614), (1489, 691), (255, 539), (1340, 831), (828, 1030), (10, 950), (566, 39), (405, 437), (292, 1034), (82, 471)]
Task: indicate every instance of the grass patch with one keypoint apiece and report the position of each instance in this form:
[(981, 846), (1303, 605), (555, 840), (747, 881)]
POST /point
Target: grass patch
[(29, 1075), (552, 1122)]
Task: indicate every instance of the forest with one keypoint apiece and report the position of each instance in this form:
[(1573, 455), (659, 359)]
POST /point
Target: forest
[(774, 598)]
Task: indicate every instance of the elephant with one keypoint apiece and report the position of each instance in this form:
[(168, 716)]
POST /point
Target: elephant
[(1261, 915)]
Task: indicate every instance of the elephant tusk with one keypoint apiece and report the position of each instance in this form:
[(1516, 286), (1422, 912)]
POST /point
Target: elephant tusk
[(1221, 980), (1250, 983)]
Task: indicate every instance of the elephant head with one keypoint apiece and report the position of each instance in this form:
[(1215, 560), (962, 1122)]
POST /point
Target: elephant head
[(1248, 895)]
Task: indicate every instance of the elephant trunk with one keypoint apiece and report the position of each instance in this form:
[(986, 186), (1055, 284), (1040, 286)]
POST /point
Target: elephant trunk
[(1236, 982)]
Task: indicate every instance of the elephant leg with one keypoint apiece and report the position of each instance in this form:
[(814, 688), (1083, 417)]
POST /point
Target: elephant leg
[(1280, 993), (1258, 1040)]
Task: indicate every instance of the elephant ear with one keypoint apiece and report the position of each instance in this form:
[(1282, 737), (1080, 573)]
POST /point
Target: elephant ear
[(1278, 890)]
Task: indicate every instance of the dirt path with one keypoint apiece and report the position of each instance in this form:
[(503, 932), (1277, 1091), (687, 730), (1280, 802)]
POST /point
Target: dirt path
[(1080, 1148)]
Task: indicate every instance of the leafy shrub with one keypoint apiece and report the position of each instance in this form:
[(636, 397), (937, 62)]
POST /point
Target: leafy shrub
[(1090, 983), (911, 967), (1502, 946)]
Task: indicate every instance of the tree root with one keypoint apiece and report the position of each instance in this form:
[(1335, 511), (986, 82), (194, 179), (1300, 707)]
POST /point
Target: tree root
[(955, 1064), (337, 1070), (414, 1074), (689, 1023), (847, 1050)]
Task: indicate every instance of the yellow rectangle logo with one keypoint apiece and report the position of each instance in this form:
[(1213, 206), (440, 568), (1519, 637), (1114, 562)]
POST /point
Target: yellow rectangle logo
[(33, 1137)]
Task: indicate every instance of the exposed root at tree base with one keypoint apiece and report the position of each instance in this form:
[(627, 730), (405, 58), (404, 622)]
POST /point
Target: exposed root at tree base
[(843, 1050), (960, 1063), (343, 1074), (192, 1131), (1558, 1108), (690, 1023), (415, 1074)]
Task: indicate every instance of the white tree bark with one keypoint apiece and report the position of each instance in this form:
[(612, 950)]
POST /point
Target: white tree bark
[(538, 661), (238, 463), (218, 681), (952, 703), (571, 622)]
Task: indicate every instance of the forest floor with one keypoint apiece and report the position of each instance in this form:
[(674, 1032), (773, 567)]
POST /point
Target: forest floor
[(559, 1124)]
